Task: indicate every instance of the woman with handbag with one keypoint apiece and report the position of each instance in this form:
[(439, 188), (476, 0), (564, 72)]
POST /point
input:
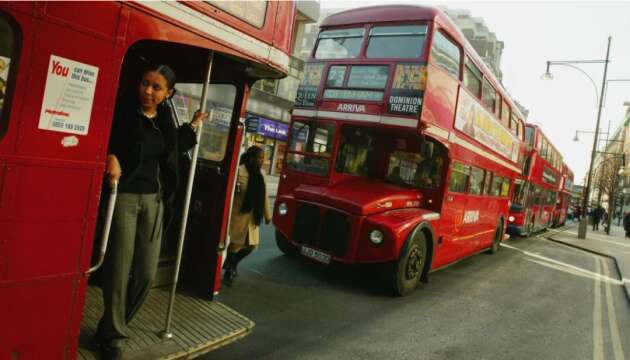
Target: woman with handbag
[(250, 207)]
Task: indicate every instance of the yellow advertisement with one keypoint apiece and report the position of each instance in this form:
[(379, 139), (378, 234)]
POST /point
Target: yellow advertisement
[(474, 120)]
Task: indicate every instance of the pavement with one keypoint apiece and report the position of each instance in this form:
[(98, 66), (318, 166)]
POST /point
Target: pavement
[(272, 185), (615, 246)]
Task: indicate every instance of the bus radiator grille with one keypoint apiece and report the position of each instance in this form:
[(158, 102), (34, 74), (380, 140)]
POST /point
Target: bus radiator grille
[(335, 233), (306, 226)]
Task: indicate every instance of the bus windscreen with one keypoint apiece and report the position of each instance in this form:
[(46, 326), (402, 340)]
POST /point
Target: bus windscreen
[(405, 41), (339, 44)]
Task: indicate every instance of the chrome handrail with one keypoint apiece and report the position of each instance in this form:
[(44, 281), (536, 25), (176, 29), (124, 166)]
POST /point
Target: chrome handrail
[(111, 203)]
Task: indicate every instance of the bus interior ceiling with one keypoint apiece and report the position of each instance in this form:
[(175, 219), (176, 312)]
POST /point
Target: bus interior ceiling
[(189, 62)]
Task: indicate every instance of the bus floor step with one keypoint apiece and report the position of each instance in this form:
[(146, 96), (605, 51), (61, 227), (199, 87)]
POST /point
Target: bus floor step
[(198, 327)]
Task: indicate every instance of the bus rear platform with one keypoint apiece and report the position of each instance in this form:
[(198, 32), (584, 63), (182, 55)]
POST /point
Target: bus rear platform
[(198, 326)]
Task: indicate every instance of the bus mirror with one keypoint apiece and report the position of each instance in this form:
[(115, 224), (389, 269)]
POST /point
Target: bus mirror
[(426, 150)]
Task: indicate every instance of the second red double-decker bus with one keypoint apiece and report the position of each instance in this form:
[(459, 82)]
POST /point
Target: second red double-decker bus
[(536, 192), (402, 149)]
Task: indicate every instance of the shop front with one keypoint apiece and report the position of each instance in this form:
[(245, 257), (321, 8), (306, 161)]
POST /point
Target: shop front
[(272, 137)]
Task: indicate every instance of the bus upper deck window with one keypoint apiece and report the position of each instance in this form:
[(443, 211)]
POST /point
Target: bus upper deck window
[(8, 49), (339, 44), (446, 54), (406, 41)]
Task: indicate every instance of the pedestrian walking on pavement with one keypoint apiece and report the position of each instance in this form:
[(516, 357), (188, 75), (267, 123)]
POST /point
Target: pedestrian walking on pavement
[(596, 215), (626, 224), (250, 207)]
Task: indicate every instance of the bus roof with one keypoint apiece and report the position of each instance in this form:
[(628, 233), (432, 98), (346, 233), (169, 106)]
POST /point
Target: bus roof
[(398, 13)]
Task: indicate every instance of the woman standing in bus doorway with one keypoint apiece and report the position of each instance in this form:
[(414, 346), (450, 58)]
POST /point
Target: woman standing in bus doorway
[(250, 206), (143, 154)]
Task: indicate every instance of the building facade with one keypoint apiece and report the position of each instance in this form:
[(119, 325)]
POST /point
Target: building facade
[(271, 100), (611, 172), (483, 40)]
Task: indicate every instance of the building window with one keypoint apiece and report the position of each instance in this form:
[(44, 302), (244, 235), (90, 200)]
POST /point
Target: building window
[(472, 77), (445, 54), (9, 44), (267, 85)]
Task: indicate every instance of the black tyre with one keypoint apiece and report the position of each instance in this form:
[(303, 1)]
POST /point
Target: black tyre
[(496, 242), (407, 270), (284, 246)]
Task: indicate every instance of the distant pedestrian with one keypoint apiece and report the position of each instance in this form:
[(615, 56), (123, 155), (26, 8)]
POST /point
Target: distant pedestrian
[(250, 207), (596, 216), (626, 224)]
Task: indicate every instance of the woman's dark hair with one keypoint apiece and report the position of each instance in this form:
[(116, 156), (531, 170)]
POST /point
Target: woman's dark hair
[(255, 195), (165, 71)]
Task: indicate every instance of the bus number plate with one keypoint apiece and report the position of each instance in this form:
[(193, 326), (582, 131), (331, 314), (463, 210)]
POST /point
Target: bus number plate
[(315, 254)]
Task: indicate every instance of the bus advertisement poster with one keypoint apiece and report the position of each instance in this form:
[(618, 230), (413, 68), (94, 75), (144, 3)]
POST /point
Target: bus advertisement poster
[(406, 94), (475, 121), (68, 96)]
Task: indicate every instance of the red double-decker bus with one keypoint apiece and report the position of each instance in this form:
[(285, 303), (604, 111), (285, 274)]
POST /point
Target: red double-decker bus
[(402, 150), (536, 192), (64, 65), (564, 197)]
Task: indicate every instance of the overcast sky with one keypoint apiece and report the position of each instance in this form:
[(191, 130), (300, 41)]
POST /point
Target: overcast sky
[(534, 32)]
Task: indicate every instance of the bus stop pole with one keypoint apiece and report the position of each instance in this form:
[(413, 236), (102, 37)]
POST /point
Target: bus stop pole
[(167, 334)]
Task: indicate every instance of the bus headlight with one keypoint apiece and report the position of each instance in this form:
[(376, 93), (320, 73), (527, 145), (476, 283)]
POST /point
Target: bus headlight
[(376, 237), (511, 218), (283, 209)]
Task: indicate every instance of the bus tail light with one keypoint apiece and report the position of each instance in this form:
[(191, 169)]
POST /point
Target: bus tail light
[(511, 218)]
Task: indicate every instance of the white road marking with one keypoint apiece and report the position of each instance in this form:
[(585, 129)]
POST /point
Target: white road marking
[(612, 319), (598, 340), (594, 275), (585, 274), (256, 272)]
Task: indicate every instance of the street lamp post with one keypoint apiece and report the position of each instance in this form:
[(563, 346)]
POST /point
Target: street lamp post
[(583, 221)]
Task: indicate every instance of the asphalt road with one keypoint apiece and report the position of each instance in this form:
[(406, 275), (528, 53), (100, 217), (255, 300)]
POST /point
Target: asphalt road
[(533, 300)]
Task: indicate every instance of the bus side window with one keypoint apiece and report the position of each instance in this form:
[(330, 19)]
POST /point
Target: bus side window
[(9, 45), (476, 181), (497, 183), (445, 54), (486, 183), (221, 102), (459, 178), (505, 187)]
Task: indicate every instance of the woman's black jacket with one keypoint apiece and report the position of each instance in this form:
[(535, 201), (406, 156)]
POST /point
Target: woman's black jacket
[(126, 143)]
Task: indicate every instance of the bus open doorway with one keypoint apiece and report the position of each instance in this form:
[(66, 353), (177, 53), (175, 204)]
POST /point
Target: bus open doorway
[(198, 324)]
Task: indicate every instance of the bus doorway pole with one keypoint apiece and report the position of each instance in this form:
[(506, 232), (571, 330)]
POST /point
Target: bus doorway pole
[(167, 334)]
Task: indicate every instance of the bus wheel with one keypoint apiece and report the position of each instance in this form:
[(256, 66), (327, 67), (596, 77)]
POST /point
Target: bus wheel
[(284, 246), (496, 242), (407, 270)]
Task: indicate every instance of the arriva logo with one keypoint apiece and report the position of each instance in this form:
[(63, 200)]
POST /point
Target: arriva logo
[(471, 216), (351, 108)]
